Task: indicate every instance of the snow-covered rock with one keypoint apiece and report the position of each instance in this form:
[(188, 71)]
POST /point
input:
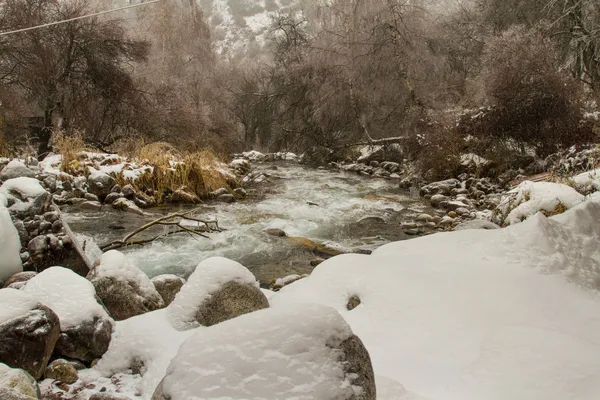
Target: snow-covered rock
[(303, 352), (10, 244), (28, 332), (16, 384), (100, 183), (16, 169), (124, 289), (168, 286), (144, 344), (477, 314), (26, 197), (84, 324), (588, 181), (218, 290), (254, 155), (530, 198)]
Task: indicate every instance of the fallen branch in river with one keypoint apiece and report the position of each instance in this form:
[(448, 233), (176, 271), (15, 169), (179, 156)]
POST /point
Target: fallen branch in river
[(180, 221)]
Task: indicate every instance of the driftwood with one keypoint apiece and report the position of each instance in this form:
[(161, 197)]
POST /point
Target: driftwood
[(175, 220)]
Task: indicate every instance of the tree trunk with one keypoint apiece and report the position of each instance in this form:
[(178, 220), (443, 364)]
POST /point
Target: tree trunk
[(46, 132)]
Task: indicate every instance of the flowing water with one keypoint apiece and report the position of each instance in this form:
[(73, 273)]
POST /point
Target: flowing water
[(335, 208)]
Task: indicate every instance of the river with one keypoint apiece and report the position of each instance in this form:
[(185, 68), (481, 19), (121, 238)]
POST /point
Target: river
[(338, 209)]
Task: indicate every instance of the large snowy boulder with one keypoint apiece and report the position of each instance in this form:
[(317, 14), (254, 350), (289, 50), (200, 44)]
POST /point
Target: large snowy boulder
[(124, 289), (100, 183), (26, 197), (303, 352), (28, 332), (16, 169), (218, 290), (85, 326), (10, 244), (16, 384), (168, 286)]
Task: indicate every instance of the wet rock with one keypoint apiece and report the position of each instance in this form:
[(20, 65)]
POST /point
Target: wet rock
[(53, 243), (275, 232), (87, 341), (37, 245), (219, 192), (454, 205), (20, 277), (57, 226), (372, 220), (476, 224), (183, 195), (28, 338), (128, 191), (23, 234), (45, 226), (226, 198), (61, 370), (441, 187), (100, 184), (240, 192), (447, 221), (112, 196), (168, 286), (127, 205), (91, 197), (123, 288), (90, 206), (437, 199), (452, 214), (462, 211), (116, 189), (51, 216), (16, 384), (108, 396), (424, 218), (353, 302), (316, 261), (15, 169)]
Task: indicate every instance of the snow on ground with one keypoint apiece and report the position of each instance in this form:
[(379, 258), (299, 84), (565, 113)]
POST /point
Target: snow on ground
[(151, 341), (209, 276), (10, 244), (69, 295), (254, 155), (473, 159), (531, 197), (476, 314), (289, 353), (15, 303)]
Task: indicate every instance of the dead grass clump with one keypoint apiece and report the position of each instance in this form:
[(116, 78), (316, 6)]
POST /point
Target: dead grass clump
[(176, 177), (70, 147), (559, 209)]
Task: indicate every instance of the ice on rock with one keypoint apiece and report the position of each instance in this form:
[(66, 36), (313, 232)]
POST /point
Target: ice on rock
[(490, 314), (69, 295), (298, 352), (10, 244)]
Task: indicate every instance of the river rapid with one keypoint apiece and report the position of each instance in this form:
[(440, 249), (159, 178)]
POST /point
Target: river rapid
[(338, 209)]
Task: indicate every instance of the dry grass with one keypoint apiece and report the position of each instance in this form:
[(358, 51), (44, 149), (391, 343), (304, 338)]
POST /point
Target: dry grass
[(173, 172), (70, 147)]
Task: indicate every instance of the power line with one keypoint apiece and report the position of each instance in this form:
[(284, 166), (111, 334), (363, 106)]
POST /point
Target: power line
[(78, 18)]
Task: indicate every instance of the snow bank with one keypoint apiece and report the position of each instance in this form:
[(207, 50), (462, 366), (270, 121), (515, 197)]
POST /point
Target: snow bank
[(10, 244), (529, 198), (69, 295), (151, 341), (286, 353), (482, 316), (15, 303), (209, 276), (115, 264)]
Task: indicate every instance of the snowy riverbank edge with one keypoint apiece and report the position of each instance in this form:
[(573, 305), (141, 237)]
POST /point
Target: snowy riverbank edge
[(474, 314)]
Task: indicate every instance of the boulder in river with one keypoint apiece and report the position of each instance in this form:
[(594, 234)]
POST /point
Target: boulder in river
[(124, 289), (218, 290), (28, 332), (100, 184)]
